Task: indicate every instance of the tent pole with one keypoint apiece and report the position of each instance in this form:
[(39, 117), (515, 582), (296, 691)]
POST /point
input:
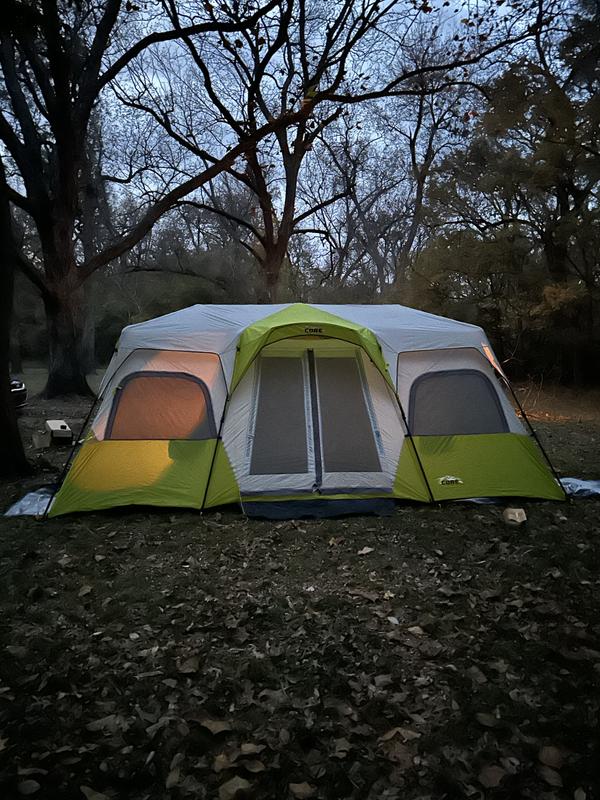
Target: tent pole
[(69, 459), (214, 455), (414, 447), (533, 433), (316, 422)]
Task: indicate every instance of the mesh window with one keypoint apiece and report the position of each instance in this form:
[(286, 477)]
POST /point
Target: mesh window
[(279, 446), (455, 402), (161, 406), (346, 430)]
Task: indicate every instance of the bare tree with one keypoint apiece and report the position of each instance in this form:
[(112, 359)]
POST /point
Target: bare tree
[(318, 58), (56, 60), (388, 160)]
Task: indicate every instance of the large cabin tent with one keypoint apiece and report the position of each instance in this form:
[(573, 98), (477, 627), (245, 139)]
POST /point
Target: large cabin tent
[(302, 409)]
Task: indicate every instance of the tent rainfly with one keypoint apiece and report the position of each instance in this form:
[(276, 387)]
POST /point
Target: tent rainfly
[(302, 410)]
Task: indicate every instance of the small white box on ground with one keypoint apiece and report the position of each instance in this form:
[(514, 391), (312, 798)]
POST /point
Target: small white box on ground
[(514, 516), (58, 429)]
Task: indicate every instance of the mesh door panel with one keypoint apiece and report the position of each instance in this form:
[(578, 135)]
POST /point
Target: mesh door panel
[(346, 431), (279, 446)]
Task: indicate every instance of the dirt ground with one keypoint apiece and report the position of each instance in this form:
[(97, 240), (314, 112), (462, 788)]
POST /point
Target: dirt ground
[(433, 654)]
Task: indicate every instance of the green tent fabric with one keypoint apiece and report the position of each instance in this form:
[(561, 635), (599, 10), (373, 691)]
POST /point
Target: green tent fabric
[(300, 320)]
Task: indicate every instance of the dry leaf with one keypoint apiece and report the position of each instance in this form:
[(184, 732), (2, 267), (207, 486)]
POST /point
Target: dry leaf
[(416, 630), (16, 650), (551, 777), (252, 765), (190, 665), (229, 790), (173, 778), (487, 720), (365, 551), (249, 748), (491, 776), (215, 726), (104, 724), (342, 748), (551, 756), (85, 590), (302, 791), (28, 787), (399, 753), (91, 794), (476, 675), (372, 597), (405, 733), (222, 761)]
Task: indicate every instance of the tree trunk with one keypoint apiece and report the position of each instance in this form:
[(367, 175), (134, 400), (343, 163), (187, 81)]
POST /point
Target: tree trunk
[(270, 269), (555, 252), (13, 462), (89, 330), (65, 315), (16, 360)]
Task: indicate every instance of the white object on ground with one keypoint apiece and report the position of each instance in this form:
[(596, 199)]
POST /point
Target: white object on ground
[(514, 516), (58, 429)]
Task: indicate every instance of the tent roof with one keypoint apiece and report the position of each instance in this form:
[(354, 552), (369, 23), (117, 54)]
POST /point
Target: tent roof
[(217, 329)]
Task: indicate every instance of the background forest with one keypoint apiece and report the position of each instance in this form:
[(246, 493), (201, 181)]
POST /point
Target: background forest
[(441, 156)]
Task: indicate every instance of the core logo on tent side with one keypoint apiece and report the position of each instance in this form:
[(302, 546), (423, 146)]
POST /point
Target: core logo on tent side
[(449, 480), (313, 330)]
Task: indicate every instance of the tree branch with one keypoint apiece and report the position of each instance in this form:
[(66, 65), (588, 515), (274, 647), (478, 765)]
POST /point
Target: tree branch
[(128, 240), (165, 36)]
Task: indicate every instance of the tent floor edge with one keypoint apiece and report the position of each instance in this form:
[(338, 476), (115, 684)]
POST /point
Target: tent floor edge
[(317, 509)]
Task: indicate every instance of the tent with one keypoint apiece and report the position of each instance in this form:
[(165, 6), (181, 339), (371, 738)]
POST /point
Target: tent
[(302, 409)]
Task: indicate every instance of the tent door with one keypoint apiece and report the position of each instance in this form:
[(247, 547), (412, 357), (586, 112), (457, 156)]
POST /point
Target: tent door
[(349, 439), (313, 427), (279, 444)]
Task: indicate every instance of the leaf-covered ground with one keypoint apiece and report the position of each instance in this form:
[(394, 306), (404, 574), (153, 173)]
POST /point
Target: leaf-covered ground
[(434, 654)]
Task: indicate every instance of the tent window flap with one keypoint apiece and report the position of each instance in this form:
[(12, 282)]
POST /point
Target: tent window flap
[(161, 406), (455, 402)]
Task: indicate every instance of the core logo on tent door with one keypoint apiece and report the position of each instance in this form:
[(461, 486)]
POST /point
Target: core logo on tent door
[(449, 480), (313, 330)]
